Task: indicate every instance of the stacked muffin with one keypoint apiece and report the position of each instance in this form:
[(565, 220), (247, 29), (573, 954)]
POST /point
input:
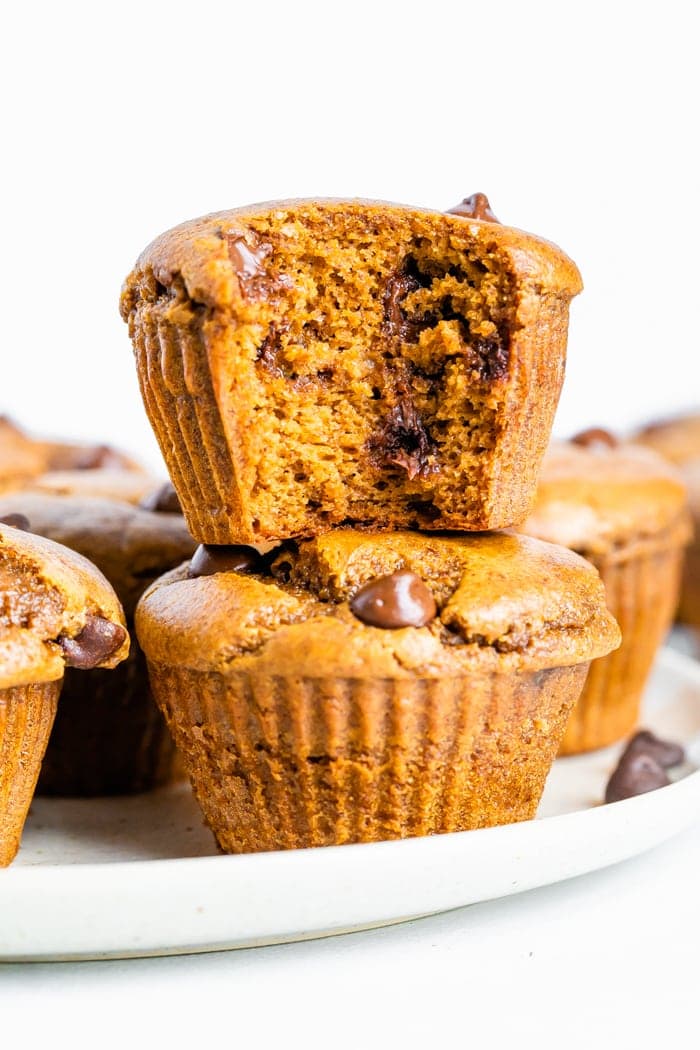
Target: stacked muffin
[(334, 385)]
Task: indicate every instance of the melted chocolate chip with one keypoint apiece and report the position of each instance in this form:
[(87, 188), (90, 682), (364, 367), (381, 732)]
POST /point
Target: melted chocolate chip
[(98, 640), (595, 436), (268, 351), (209, 559), (403, 440), (163, 500), (475, 207), (491, 359), (635, 774), (398, 600), (665, 752), (17, 521), (255, 281)]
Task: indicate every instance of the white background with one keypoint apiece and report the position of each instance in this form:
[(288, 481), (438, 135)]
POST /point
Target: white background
[(122, 119), (580, 123)]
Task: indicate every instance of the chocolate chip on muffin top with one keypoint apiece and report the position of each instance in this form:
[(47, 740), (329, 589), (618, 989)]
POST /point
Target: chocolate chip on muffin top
[(393, 602)]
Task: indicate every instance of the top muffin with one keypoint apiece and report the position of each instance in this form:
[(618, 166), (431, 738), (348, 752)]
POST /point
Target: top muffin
[(312, 363)]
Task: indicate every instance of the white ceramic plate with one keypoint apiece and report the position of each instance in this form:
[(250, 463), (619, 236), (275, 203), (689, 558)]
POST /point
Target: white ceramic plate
[(140, 876)]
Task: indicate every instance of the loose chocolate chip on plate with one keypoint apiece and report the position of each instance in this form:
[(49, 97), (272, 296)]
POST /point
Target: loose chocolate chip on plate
[(209, 559), (17, 521), (635, 775), (163, 500), (595, 436), (398, 600), (98, 639), (665, 752), (475, 207)]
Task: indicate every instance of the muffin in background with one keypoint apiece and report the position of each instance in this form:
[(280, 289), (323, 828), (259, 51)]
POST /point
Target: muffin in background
[(678, 439), (69, 468), (361, 687), (624, 509), (56, 611), (305, 364), (109, 738)]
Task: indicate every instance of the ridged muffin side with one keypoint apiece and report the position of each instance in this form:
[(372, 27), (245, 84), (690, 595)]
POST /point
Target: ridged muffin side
[(300, 725)]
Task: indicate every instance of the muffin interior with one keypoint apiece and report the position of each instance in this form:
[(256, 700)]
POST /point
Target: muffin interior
[(375, 346), (393, 333)]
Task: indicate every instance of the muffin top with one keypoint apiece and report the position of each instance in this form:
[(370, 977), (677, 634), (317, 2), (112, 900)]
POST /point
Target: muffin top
[(56, 610), (130, 545), (20, 457), (364, 604), (68, 468), (208, 258), (676, 438), (598, 496), (129, 486)]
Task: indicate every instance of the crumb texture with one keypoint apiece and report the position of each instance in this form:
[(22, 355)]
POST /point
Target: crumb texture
[(309, 365)]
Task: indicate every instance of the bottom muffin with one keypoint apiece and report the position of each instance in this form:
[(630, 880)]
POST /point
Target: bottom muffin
[(362, 687)]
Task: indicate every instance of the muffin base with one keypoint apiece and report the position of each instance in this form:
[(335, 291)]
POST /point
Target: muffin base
[(109, 737), (26, 716), (641, 590), (284, 763)]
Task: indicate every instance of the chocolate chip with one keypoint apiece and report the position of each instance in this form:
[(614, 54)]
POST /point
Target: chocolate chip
[(595, 436), (475, 207), (398, 600), (17, 521), (491, 358), (665, 752), (209, 559), (404, 440), (163, 500), (249, 263), (635, 774), (98, 639)]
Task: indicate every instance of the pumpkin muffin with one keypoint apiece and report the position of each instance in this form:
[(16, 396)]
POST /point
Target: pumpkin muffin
[(56, 611), (68, 468), (678, 439), (360, 687), (109, 738), (311, 363), (624, 509), (20, 458)]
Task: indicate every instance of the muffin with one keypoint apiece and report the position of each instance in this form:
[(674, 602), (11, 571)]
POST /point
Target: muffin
[(306, 364), (109, 738), (68, 468), (624, 509), (368, 686), (20, 459), (678, 439), (56, 611)]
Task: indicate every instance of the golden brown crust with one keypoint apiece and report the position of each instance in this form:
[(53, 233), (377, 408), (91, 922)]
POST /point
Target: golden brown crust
[(197, 252), (131, 546), (47, 592), (676, 438), (130, 486), (597, 499), (444, 416), (505, 602)]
